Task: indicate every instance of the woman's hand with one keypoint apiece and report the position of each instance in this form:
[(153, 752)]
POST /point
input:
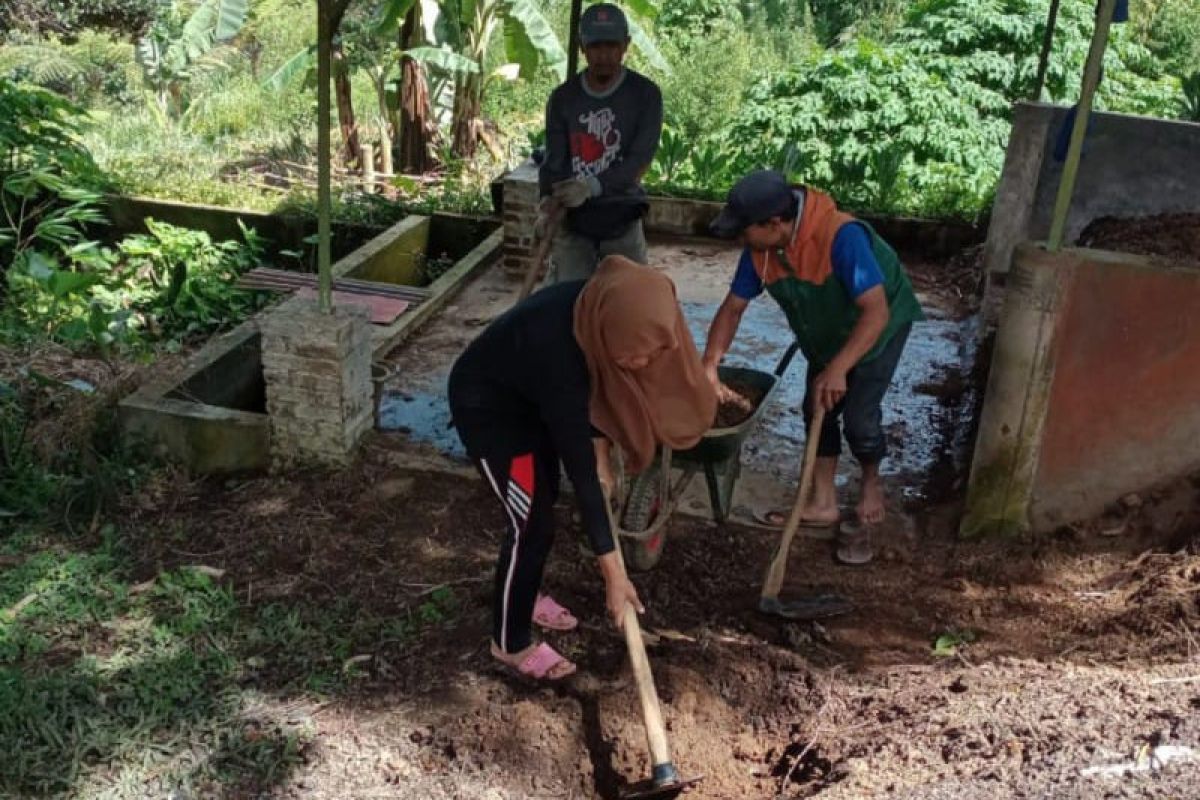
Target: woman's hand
[(618, 591)]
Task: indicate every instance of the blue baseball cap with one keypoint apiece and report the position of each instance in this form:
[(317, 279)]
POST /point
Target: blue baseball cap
[(602, 22), (756, 198)]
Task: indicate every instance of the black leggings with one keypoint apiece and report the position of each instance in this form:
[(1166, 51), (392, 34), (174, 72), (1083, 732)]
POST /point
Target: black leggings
[(526, 484)]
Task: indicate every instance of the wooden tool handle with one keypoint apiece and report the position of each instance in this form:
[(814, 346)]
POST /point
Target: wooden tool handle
[(778, 567), (656, 731), (543, 250)]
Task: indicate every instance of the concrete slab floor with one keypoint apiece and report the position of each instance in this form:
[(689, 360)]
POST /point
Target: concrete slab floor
[(921, 426)]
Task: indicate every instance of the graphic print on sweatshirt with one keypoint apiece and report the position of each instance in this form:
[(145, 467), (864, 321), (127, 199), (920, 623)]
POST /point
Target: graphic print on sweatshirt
[(594, 149)]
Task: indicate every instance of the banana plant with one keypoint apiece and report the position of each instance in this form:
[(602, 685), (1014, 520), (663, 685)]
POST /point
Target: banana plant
[(174, 48), (463, 30)]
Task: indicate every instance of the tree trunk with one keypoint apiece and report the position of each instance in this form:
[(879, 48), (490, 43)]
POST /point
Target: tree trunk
[(345, 105), (415, 116), (466, 124)]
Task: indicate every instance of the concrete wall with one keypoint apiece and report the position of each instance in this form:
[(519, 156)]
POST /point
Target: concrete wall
[(284, 231), (394, 256), (677, 216), (200, 433), (1094, 390), (1124, 410), (1131, 166)]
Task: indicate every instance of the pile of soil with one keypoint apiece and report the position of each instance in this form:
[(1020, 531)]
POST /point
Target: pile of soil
[(730, 414), (957, 282), (1080, 651), (1172, 236)]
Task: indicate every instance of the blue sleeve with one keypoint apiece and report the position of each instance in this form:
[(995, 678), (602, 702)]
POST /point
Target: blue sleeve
[(854, 261), (746, 283)]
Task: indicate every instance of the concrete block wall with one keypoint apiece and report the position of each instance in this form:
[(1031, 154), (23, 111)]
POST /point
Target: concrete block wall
[(317, 369), (203, 436), (520, 214)]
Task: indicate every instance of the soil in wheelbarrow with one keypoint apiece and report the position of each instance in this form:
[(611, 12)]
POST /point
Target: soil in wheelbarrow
[(1059, 655), (732, 413)]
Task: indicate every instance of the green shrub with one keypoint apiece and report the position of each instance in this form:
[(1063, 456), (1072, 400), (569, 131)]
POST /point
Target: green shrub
[(169, 286)]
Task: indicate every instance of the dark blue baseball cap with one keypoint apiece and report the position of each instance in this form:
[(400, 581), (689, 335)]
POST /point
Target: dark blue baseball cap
[(602, 22), (756, 198)]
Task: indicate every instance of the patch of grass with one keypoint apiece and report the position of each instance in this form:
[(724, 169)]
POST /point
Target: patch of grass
[(949, 643), (126, 689)]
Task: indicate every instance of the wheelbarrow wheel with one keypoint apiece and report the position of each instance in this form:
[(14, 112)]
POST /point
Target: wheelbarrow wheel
[(642, 508)]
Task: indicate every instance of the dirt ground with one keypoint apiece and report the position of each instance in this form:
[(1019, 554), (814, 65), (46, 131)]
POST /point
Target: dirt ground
[(1082, 650)]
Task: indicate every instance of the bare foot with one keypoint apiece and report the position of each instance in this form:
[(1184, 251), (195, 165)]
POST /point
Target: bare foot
[(560, 670), (870, 507), (814, 514)]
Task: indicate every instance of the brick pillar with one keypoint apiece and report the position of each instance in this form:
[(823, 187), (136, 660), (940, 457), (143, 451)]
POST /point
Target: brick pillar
[(520, 213), (318, 374)]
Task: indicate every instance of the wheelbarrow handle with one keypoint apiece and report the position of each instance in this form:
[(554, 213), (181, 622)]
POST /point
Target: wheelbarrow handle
[(788, 355)]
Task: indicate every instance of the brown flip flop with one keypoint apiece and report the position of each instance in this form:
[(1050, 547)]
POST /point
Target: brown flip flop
[(854, 544), (822, 531)]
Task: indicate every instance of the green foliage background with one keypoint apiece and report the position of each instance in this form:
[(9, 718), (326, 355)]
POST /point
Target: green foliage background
[(894, 106)]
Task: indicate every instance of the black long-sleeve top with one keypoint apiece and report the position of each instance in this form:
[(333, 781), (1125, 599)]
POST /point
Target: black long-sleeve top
[(525, 379)]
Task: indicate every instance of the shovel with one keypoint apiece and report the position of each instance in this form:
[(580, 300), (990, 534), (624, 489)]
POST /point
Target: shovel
[(664, 780), (827, 605), (534, 273)]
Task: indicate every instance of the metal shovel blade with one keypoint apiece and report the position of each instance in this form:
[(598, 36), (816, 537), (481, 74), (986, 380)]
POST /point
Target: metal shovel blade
[(806, 608), (648, 790)]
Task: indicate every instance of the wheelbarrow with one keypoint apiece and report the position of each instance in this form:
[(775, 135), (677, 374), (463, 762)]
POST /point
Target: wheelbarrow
[(651, 496)]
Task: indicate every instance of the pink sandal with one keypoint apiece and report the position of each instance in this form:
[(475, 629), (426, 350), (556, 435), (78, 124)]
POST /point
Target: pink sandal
[(539, 663), (549, 614)]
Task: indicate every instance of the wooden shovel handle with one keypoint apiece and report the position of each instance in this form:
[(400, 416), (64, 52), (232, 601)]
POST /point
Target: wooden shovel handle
[(557, 210), (656, 731), (775, 572)]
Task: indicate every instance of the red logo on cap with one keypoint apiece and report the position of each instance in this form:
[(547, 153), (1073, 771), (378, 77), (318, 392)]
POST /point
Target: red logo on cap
[(602, 15)]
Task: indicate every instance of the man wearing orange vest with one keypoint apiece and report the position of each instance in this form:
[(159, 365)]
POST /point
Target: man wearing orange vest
[(850, 304)]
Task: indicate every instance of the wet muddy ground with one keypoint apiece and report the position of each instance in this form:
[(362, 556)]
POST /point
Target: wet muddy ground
[(933, 390)]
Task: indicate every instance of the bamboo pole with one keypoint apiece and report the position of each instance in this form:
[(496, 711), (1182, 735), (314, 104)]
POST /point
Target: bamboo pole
[(324, 200), (1091, 79), (367, 159), (1044, 58), (573, 38)]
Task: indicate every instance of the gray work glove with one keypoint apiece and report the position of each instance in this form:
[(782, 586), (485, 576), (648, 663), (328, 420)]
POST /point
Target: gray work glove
[(574, 192)]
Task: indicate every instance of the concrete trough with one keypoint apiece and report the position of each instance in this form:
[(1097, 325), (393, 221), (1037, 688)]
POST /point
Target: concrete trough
[(211, 414), (448, 248)]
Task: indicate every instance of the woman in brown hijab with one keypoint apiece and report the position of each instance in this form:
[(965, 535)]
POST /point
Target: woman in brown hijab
[(574, 365)]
